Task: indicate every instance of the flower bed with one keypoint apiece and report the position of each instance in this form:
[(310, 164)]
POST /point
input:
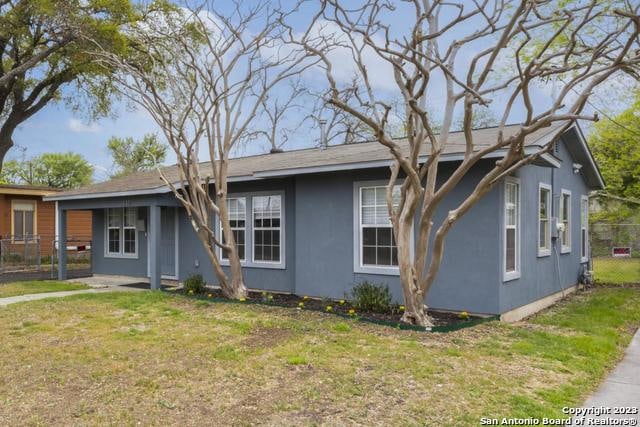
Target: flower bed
[(443, 322)]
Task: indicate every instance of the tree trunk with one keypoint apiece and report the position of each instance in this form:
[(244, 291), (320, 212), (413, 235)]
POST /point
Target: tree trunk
[(6, 142), (415, 310)]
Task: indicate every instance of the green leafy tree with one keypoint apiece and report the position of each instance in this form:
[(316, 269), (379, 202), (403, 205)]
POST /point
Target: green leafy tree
[(44, 47), (615, 146), (58, 170), (130, 156)]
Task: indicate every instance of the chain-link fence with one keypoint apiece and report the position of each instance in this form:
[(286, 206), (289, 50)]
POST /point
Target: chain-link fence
[(615, 250), (20, 253), (36, 258)]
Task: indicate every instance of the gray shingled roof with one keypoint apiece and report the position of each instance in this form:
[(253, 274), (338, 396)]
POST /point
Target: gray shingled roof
[(337, 157)]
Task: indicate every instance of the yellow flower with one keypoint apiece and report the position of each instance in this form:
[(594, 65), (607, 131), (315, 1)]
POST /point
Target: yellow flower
[(401, 308), (209, 296), (463, 315), (329, 308), (352, 312), (242, 299), (341, 302), (305, 297), (300, 304), (190, 292)]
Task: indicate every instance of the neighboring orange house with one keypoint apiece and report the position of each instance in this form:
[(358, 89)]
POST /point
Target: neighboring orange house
[(24, 215)]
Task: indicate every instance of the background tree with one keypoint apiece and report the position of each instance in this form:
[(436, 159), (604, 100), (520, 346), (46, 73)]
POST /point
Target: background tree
[(58, 170), (452, 51), (42, 50), (130, 156), (202, 75)]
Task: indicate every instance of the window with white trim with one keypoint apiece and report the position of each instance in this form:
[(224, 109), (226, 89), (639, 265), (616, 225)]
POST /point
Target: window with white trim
[(584, 228), (267, 216), (544, 220), (565, 221), (237, 207), (377, 243), (122, 237), (24, 226), (511, 228)]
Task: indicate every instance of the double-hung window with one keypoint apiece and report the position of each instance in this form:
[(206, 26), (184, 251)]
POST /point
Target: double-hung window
[(267, 216), (122, 237), (511, 229), (23, 220), (237, 207), (377, 244), (565, 221), (584, 228), (544, 220)]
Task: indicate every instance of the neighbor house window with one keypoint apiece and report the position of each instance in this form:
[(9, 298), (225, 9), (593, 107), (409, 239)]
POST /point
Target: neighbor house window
[(377, 243), (511, 229), (267, 218), (584, 228), (24, 226), (565, 221), (122, 238), (237, 219), (544, 217)]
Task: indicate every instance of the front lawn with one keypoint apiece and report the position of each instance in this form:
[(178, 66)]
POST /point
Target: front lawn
[(157, 358), (616, 270), (37, 287)]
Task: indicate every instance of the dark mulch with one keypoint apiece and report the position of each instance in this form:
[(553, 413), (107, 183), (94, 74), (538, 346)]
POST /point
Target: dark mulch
[(342, 307), (143, 285)]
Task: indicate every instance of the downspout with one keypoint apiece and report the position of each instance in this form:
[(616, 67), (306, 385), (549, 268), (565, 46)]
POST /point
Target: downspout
[(555, 239)]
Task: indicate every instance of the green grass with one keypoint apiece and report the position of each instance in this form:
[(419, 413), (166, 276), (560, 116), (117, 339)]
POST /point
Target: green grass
[(37, 287), (124, 358), (617, 270)]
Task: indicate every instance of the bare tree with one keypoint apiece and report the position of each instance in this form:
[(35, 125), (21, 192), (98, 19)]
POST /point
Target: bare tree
[(202, 75), (468, 54), (275, 109)]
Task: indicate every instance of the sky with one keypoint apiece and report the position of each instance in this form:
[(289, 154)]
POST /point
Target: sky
[(59, 129)]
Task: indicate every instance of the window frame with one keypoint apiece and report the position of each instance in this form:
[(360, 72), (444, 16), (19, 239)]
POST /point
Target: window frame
[(279, 228), (358, 266), (121, 253), (545, 251), (34, 203), (243, 260), (248, 240), (584, 228), (508, 276), (565, 248)]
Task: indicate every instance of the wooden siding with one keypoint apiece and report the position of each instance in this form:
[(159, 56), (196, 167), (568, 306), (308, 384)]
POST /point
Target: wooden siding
[(79, 223)]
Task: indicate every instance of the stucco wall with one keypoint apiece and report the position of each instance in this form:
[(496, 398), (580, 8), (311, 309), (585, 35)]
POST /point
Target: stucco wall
[(539, 275)]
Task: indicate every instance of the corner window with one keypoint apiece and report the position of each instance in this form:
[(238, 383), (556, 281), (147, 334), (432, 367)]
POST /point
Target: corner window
[(237, 218), (121, 237), (565, 221), (544, 217), (584, 228), (267, 216), (23, 215), (511, 229), (377, 243)]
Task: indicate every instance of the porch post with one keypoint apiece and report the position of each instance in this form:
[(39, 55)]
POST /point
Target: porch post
[(62, 244), (155, 274)]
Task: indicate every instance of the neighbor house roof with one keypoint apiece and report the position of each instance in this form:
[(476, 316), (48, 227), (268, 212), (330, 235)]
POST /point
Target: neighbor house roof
[(27, 190), (311, 160)]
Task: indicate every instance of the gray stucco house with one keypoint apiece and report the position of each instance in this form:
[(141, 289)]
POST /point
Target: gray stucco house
[(311, 222)]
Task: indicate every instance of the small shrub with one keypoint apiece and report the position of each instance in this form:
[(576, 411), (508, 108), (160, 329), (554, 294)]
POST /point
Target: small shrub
[(372, 297), (194, 284), (297, 360)]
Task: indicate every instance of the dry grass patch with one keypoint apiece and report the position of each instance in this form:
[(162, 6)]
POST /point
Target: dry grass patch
[(155, 358)]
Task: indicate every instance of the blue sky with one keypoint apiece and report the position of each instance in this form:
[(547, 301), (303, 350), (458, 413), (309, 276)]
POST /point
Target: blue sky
[(58, 129)]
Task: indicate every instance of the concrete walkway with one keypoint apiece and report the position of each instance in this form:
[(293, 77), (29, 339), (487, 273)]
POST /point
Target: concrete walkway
[(621, 388), (43, 295)]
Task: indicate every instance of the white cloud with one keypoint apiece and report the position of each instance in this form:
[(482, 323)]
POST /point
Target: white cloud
[(77, 126)]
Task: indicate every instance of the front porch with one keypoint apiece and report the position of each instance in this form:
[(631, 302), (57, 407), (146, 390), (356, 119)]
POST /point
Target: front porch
[(135, 238)]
